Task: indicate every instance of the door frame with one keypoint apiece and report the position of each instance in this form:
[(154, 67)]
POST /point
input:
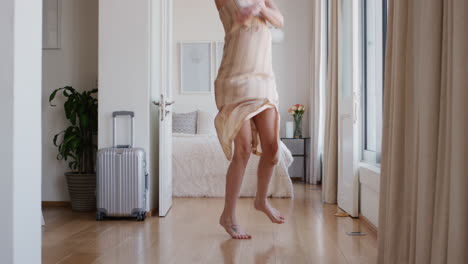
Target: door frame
[(353, 105), (161, 92)]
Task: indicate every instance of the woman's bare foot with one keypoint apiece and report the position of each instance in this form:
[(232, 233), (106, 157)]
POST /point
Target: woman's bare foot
[(232, 228), (274, 215)]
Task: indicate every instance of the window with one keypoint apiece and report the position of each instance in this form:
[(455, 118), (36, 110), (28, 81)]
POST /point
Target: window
[(374, 38)]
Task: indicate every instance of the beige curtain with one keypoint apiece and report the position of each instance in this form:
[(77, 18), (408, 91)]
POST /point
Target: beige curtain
[(424, 185), (317, 81), (330, 152)]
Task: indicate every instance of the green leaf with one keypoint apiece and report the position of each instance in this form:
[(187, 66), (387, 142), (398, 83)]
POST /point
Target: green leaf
[(84, 120), (52, 96), (71, 89), (56, 137), (75, 143)]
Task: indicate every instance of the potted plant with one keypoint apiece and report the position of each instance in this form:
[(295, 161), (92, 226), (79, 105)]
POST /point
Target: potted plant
[(76, 145)]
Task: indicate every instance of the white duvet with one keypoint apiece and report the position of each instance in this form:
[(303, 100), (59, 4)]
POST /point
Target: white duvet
[(199, 169)]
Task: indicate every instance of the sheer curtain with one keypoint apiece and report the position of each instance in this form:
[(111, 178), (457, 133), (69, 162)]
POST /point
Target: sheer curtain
[(330, 152), (317, 80), (424, 197)]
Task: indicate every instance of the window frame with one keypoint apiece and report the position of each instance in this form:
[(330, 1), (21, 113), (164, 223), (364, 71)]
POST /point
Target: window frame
[(370, 156)]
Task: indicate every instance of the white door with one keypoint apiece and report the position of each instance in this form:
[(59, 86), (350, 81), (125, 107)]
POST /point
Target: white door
[(347, 112), (161, 65)]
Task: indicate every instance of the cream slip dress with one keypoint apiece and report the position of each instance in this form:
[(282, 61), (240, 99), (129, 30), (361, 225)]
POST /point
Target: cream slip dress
[(245, 85)]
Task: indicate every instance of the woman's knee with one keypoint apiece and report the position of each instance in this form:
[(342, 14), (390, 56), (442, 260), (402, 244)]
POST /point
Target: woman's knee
[(270, 150), (242, 152)]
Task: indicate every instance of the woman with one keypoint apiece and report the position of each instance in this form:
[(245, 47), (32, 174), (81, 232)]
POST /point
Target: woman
[(247, 101)]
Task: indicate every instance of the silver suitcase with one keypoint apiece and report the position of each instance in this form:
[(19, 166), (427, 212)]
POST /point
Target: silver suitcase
[(122, 181)]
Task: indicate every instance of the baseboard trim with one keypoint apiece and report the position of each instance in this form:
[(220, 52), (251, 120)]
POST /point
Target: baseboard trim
[(46, 204), (369, 224)]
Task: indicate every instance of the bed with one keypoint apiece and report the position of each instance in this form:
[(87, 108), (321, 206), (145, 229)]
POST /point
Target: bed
[(199, 166), (199, 169)]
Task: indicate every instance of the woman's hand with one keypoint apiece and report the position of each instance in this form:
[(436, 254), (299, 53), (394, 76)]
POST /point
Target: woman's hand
[(272, 13), (246, 13)]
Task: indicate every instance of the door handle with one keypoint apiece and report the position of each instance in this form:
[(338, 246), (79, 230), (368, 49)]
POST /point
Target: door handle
[(355, 112), (162, 107), (167, 103), (356, 106)]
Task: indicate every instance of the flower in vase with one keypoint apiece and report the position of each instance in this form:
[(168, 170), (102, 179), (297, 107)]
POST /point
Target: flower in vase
[(297, 111)]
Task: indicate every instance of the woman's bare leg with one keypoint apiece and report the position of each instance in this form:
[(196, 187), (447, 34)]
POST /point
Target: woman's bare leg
[(235, 174), (266, 126)]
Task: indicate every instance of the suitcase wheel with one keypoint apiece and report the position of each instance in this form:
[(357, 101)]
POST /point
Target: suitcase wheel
[(141, 216), (100, 216)]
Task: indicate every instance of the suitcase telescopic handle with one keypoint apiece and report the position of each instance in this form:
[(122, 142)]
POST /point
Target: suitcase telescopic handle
[(123, 113), (114, 135)]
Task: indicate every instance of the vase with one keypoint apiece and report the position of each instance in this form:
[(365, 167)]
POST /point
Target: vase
[(298, 127)]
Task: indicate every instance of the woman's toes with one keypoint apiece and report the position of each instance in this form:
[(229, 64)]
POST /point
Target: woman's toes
[(279, 220), (244, 236)]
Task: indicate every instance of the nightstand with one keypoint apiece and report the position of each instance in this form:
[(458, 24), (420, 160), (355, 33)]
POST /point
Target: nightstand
[(300, 149)]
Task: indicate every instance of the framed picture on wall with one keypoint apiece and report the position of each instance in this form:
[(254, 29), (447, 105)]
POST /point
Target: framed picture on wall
[(219, 54), (195, 67), (51, 16)]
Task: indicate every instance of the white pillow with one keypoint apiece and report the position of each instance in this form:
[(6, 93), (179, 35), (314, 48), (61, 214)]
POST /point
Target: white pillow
[(205, 123), (184, 122)]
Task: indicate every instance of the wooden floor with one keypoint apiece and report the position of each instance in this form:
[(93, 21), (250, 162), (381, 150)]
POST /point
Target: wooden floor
[(191, 234)]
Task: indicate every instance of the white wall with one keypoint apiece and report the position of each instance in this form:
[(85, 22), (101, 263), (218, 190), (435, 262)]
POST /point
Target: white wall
[(20, 136), (369, 195), (74, 64), (198, 20), (124, 68), (194, 20), (291, 59)]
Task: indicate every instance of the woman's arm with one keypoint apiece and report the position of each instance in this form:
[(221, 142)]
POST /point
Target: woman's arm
[(220, 3), (271, 13)]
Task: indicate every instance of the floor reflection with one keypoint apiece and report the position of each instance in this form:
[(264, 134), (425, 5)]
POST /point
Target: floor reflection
[(231, 252), (230, 249), (265, 257)]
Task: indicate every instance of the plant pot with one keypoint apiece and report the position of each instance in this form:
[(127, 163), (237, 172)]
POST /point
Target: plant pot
[(82, 190)]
